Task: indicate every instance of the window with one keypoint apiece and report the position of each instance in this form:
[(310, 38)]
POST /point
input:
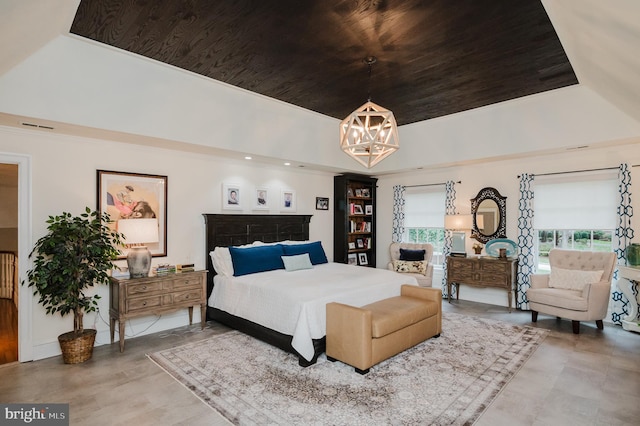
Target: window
[(424, 211), (576, 213)]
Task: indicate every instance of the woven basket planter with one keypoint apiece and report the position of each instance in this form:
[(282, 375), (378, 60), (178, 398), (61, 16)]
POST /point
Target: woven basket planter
[(77, 347)]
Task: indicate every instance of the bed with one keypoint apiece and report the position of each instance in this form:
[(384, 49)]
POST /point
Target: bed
[(298, 298)]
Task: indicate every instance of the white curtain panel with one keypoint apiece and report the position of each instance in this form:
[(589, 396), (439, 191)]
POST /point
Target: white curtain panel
[(619, 306)]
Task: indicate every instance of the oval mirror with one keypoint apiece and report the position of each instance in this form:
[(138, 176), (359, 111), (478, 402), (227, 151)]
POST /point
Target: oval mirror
[(489, 215)]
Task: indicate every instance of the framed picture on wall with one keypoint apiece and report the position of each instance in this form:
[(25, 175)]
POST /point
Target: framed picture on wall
[(131, 196), (288, 200), (261, 199), (231, 196), (322, 203)]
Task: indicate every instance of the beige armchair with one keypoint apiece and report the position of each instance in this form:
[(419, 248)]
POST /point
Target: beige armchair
[(578, 287), (424, 279)]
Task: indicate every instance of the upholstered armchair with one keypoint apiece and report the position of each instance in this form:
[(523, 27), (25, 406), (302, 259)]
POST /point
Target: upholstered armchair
[(578, 287), (422, 270)]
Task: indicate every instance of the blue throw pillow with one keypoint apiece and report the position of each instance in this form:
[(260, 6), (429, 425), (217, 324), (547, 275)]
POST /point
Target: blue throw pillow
[(412, 255), (315, 250), (256, 259)]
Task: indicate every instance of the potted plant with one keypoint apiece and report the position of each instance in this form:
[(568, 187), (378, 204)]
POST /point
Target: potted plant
[(76, 253)]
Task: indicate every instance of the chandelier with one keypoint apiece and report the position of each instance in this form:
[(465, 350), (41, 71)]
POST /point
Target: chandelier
[(370, 133)]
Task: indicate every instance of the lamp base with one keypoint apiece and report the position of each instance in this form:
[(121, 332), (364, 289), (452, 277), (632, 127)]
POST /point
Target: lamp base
[(139, 262)]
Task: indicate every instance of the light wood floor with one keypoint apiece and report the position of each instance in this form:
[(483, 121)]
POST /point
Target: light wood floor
[(8, 331), (587, 379)]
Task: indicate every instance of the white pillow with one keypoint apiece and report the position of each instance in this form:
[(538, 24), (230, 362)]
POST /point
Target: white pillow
[(297, 262), (221, 259), (572, 279)]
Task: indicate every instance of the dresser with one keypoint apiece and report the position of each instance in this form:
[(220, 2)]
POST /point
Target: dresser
[(137, 297), (481, 272)]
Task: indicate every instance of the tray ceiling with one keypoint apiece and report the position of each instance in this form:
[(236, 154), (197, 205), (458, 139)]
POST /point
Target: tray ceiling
[(434, 58)]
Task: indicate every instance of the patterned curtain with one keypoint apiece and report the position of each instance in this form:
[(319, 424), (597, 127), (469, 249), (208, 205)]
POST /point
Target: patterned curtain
[(526, 246), (624, 235), (450, 208), (398, 213)]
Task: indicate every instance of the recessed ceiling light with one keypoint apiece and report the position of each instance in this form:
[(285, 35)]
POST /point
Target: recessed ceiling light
[(287, 164), (247, 158)]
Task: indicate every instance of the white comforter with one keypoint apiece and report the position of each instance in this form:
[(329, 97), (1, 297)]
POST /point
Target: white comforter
[(294, 303)]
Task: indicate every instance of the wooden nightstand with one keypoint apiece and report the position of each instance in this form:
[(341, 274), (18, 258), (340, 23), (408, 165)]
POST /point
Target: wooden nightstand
[(136, 297)]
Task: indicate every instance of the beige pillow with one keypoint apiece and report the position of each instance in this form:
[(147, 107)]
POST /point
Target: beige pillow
[(572, 279), (415, 266)]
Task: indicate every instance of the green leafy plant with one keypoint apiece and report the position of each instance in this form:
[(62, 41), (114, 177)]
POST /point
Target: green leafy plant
[(76, 253)]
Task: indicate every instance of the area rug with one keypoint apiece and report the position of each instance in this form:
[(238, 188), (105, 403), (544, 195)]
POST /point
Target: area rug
[(448, 380)]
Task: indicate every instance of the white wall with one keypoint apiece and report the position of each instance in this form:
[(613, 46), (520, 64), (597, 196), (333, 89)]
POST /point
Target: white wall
[(64, 179), (501, 175)]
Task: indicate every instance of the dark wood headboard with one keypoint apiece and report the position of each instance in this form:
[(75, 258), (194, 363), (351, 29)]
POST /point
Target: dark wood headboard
[(237, 229)]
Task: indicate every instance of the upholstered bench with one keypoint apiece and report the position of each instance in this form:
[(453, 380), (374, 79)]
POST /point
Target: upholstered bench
[(363, 337)]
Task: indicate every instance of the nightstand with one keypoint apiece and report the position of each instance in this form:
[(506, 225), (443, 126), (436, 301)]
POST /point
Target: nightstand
[(156, 295)]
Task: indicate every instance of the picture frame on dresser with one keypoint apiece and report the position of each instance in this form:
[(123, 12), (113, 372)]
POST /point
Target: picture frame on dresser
[(127, 195)]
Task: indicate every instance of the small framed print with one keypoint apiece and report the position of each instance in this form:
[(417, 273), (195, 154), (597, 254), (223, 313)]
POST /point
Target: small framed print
[(288, 200), (368, 209), (231, 196), (366, 193), (357, 209), (362, 259), (352, 259), (352, 245), (360, 243), (322, 203), (358, 192), (261, 199), (349, 192)]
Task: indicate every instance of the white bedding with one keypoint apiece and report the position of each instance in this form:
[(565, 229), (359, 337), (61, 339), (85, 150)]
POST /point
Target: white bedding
[(294, 303)]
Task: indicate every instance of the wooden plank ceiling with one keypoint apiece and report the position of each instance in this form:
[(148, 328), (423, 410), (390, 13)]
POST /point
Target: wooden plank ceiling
[(435, 57)]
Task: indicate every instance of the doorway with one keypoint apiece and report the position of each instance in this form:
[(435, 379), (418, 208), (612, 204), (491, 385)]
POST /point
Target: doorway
[(9, 263)]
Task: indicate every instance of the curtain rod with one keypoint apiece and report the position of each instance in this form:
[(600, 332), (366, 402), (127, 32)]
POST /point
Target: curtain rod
[(578, 171), (429, 184)]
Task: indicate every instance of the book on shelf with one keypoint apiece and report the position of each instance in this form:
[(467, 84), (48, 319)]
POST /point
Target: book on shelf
[(188, 267)]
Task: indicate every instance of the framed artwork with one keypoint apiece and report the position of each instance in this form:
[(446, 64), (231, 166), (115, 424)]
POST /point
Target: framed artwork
[(362, 259), (358, 192), (357, 209), (231, 196), (368, 209), (352, 259), (261, 199), (365, 192), (288, 200), (322, 203), (135, 196), (352, 245), (360, 243)]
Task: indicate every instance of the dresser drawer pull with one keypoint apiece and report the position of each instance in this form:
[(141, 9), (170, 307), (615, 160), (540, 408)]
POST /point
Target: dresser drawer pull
[(144, 303), (144, 287)]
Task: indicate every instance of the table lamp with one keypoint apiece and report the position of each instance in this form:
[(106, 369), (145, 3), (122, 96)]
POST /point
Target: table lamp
[(137, 233), (458, 222)]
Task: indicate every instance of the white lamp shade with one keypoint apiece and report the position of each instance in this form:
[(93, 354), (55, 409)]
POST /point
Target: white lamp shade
[(139, 231), (458, 221)]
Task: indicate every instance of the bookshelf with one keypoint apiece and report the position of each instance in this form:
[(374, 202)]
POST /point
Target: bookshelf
[(354, 227)]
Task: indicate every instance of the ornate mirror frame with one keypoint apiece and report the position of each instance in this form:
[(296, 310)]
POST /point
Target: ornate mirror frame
[(501, 230)]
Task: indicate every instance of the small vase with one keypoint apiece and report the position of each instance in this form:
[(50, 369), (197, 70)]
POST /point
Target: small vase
[(478, 250), (632, 253)]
